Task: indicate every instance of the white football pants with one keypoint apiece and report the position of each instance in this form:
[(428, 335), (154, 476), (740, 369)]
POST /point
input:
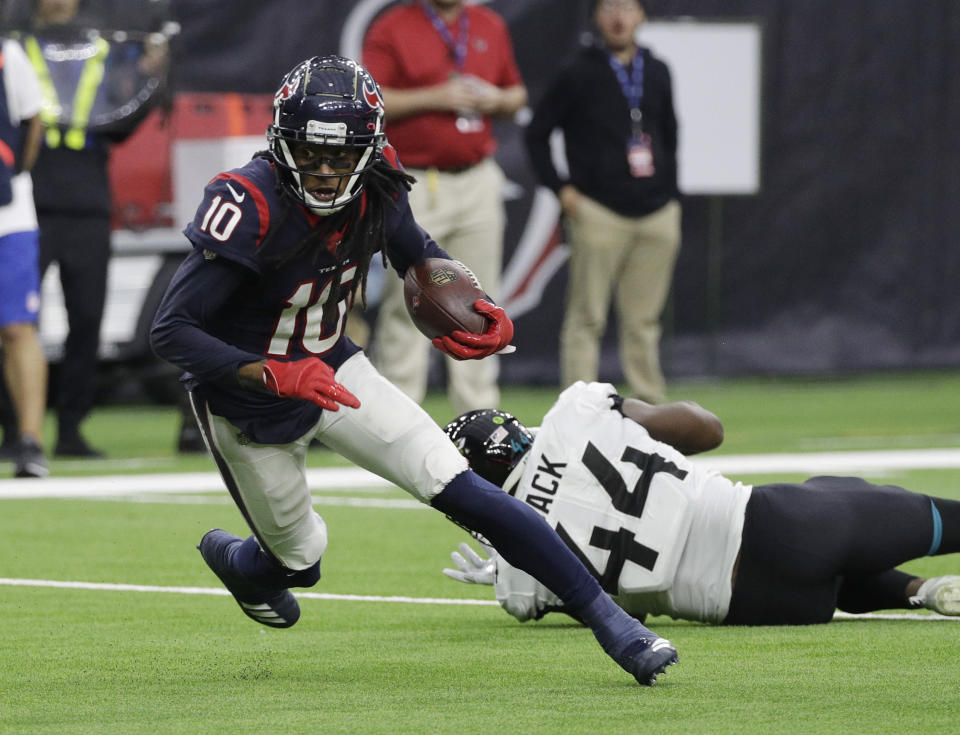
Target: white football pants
[(389, 435)]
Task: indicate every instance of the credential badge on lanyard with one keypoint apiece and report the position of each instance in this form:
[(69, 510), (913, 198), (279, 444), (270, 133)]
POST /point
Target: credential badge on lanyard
[(639, 145), (467, 122)]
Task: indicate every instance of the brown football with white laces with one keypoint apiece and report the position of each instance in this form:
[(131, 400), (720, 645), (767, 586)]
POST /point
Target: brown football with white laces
[(440, 294)]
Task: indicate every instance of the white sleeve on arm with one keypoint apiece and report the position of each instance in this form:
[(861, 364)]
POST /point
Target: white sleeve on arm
[(26, 98), (520, 594)]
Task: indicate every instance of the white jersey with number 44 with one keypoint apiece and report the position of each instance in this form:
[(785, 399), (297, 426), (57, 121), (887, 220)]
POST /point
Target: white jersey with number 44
[(659, 533)]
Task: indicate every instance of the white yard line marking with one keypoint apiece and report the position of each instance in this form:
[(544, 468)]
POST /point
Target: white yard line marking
[(359, 480), (838, 615), (105, 586), (813, 463), (220, 592), (903, 441), (224, 499), (172, 483)]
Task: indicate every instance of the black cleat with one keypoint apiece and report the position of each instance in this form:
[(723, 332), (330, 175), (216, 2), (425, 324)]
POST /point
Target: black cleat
[(278, 609), (647, 657)]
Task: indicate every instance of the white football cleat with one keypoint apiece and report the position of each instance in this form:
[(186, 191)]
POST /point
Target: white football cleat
[(940, 594)]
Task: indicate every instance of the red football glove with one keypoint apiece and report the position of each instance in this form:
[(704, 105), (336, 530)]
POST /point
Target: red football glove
[(462, 345), (311, 379)]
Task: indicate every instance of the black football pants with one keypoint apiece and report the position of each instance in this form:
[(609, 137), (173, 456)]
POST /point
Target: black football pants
[(833, 542), (80, 245)]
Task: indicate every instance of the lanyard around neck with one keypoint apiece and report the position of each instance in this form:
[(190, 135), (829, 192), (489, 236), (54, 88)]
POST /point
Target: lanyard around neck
[(632, 84), (458, 46)]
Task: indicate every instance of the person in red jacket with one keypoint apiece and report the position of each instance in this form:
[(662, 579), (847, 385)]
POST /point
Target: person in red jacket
[(447, 70)]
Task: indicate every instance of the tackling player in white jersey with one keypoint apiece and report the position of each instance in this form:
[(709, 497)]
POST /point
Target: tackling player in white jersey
[(666, 537)]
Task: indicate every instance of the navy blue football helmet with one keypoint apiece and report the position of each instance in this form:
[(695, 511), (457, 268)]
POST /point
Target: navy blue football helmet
[(492, 441), (328, 101)]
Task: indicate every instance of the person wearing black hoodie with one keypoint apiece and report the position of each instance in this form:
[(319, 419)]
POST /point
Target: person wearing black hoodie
[(620, 201)]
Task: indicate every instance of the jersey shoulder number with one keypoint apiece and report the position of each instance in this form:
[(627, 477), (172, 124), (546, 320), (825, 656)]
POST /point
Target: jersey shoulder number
[(234, 217)]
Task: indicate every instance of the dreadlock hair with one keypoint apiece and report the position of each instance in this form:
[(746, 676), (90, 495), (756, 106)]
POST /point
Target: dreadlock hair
[(361, 236)]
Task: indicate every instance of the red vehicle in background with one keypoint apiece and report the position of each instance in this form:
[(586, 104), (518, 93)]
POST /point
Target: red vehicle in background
[(157, 175)]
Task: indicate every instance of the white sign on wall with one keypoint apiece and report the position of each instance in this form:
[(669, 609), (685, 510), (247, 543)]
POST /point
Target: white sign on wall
[(716, 74)]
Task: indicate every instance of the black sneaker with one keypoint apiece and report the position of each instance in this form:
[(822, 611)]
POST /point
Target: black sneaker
[(190, 440), (267, 607), (76, 446), (29, 461), (8, 450)]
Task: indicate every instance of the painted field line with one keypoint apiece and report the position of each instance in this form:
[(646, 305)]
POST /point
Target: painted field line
[(814, 463), (838, 615), (339, 501), (805, 463), (172, 483), (220, 592)]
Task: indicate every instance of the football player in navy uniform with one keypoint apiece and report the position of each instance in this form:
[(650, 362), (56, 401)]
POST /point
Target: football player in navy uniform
[(667, 537), (255, 316)]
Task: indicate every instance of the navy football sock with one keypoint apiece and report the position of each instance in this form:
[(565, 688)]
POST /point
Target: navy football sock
[(257, 567), (305, 577), (613, 628), (524, 539), (250, 560), (521, 536)]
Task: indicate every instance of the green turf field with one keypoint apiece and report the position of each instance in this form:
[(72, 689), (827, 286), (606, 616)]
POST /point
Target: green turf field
[(176, 660)]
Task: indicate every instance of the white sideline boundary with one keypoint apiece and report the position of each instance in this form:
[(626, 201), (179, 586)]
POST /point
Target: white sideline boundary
[(357, 479), (469, 602), (845, 462)]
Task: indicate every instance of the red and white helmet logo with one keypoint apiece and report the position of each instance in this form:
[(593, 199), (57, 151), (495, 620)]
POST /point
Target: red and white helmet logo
[(289, 87), (372, 95)]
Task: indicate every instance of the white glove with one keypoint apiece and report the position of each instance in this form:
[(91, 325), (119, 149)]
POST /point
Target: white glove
[(473, 568)]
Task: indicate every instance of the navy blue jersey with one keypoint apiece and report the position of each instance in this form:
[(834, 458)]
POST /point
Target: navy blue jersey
[(237, 299)]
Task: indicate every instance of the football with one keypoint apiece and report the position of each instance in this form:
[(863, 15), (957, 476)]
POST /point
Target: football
[(440, 294)]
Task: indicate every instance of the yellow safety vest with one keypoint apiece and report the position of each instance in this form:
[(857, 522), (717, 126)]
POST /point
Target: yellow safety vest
[(83, 99)]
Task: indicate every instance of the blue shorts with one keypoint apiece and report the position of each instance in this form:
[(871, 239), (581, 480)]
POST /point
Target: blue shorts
[(19, 278)]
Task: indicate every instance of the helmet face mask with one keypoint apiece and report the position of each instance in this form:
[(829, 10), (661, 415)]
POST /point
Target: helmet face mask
[(327, 111), (493, 442)]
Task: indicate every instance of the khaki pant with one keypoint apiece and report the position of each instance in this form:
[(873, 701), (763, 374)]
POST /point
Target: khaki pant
[(463, 212), (634, 257)]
